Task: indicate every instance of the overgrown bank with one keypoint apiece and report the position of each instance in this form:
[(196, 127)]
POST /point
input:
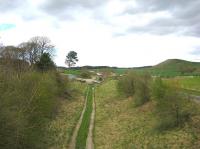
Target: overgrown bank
[(62, 127), (32, 97), (28, 102), (119, 124)]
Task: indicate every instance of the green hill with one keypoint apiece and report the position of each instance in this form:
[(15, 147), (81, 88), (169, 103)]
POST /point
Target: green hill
[(177, 64), (174, 67)]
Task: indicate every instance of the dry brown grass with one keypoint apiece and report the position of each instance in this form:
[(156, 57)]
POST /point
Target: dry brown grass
[(62, 127)]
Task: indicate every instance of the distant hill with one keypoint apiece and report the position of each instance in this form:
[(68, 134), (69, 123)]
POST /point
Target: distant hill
[(174, 67), (168, 68), (177, 64)]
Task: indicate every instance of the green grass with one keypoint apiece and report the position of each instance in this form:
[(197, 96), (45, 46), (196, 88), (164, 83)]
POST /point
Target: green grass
[(72, 71), (120, 125), (84, 128), (192, 83), (120, 71), (188, 84)]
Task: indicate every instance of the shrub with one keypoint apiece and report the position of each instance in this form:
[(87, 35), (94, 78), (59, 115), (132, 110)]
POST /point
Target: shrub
[(45, 63), (27, 103), (172, 108), (137, 85), (142, 89), (126, 84)]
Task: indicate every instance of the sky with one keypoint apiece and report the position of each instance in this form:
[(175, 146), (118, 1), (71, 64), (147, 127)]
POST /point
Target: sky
[(123, 33)]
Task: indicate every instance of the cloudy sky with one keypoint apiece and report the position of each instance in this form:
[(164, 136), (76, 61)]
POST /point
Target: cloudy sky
[(125, 33)]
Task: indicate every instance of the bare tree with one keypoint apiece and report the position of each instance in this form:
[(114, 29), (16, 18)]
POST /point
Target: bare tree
[(43, 45), (10, 52), (35, 48)]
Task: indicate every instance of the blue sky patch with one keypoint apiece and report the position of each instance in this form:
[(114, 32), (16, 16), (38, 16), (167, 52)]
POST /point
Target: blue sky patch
[(6, 26)]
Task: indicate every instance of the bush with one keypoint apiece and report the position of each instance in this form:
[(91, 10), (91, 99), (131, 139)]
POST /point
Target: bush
[(137, 85), (126, 84), (45, 63), (142, 89), (172, 109), (27, 104)]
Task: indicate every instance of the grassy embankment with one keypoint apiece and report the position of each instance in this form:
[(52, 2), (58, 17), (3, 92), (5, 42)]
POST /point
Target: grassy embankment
[(120, 125), (29, 102), (38, 110), (62, 127), (84, 128)]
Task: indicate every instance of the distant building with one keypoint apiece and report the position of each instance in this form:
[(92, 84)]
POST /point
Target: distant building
[(99, 74)]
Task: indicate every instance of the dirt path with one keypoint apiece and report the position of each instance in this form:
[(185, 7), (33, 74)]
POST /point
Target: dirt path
[(72, 144), (89, 143)]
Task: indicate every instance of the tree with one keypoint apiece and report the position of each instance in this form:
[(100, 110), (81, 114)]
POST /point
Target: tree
[(12, 57), (35, 48), (43, 45), (45, 62), (71, 58)]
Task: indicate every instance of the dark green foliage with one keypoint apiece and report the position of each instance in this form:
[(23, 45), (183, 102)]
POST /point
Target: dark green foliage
[(71, 58), (45, 63), (172, 107)]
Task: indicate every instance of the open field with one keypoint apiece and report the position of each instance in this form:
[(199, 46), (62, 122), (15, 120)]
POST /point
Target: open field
[(189, 84), (120, 125)]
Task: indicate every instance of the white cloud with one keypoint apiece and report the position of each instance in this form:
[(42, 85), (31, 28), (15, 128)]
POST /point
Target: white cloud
[(101, 35)]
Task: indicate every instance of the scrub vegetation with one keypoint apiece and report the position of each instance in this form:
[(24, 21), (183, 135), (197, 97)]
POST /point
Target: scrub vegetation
[(148, 107), (34, 98), (62, 127), (120, 124)]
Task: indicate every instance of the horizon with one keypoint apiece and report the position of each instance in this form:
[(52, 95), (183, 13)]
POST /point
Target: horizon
[(126, 67), (115, 33)]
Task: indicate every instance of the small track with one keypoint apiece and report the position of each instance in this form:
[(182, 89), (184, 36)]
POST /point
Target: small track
[(88, 139), (72, 144), (89, 143)]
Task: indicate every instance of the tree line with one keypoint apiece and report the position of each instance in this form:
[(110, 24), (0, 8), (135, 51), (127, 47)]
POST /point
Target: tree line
[(35, 52), (31, 91)]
